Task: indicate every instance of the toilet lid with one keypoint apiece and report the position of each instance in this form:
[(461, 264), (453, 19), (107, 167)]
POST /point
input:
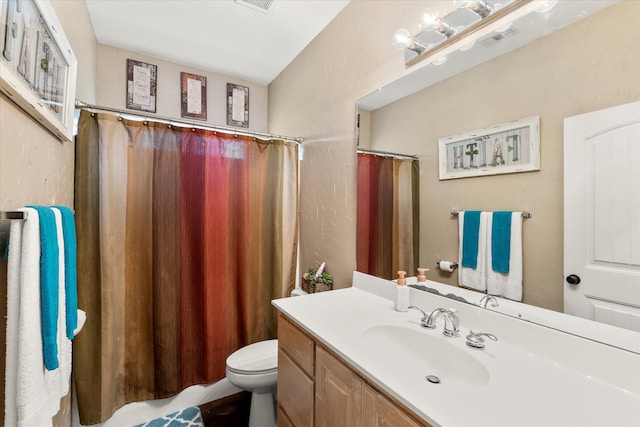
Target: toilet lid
[(256, 358)]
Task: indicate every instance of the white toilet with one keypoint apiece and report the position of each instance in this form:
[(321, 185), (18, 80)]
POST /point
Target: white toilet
[(254, 368)]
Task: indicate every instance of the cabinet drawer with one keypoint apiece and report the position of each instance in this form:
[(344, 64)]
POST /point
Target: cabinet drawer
[(296, 343), (295, 392)]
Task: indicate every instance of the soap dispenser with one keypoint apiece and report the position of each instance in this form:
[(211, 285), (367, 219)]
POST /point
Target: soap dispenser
[(422, 274), (402, 293)]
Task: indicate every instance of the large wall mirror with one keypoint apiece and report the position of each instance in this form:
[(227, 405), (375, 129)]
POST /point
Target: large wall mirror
[(581, 56)]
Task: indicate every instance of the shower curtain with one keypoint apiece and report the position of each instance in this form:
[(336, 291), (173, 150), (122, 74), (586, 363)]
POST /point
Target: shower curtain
[(184, 238), (388, 215)]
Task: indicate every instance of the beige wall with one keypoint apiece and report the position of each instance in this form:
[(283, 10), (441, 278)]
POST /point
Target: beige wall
[(112, 79), (588, 66), (578, 70)]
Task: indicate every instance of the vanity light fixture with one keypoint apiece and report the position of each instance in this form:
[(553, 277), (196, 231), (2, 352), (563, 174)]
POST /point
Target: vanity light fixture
[(493, 17)]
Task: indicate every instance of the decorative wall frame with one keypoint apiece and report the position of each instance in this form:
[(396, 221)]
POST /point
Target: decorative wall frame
[(193, 96), (142, 84), (237, 105), (506, 148), (37, 66)]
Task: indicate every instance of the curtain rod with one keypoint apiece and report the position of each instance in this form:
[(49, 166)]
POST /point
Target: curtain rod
[(387, 154), (185, 123)]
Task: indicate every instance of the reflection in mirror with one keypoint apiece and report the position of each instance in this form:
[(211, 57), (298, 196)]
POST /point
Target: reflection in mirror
[(572, 60)]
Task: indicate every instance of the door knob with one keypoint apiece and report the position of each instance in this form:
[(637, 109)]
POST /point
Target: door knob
[(573, 279)]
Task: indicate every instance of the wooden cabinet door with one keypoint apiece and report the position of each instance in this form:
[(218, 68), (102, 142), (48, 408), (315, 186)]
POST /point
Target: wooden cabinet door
[(295, 392), (338, 393), (378, 411)]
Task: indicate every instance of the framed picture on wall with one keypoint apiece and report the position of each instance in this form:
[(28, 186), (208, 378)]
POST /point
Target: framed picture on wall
[(193, 96), (141, 86), (237, 105), (37, 66), (506, 148)]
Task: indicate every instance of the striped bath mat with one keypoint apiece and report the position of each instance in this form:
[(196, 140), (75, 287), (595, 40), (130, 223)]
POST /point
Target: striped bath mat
[(189, 417)]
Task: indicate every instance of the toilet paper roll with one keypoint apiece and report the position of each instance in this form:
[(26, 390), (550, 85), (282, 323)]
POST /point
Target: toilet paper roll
[(446, 266)]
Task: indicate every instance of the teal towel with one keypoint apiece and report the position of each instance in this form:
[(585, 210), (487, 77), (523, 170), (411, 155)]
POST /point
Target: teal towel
[(470, 234), (70, 274), (501, 241), (49, 285)]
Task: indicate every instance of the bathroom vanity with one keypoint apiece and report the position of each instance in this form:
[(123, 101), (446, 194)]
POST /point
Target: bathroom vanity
[(347, 358)]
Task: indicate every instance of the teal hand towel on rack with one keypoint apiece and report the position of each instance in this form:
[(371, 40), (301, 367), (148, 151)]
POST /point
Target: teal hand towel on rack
[(501, 241), (49, 285), (70, 274), (470, 234)]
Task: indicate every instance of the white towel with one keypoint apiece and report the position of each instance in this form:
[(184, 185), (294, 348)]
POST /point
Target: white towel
[(474, 278), (507, 285), (32, 394)]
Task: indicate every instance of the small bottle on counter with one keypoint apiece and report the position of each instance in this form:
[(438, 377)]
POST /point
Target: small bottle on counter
[(402, 293), (422, 274)]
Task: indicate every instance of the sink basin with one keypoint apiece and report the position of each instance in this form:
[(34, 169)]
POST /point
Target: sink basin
[(417, 353)]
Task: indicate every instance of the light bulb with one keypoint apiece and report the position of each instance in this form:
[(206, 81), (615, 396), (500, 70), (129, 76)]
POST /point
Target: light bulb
[(479, 7), (546, 6), (401, 39), (440, 60), (428, 19)]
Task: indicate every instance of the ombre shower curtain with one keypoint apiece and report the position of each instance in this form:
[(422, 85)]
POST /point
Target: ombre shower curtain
[(184, 238), (388, 215)]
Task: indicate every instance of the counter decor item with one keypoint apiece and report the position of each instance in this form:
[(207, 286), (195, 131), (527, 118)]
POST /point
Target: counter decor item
[(317, 280)]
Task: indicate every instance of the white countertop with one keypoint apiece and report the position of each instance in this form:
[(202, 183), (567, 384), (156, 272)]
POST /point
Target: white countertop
[(515, 386)]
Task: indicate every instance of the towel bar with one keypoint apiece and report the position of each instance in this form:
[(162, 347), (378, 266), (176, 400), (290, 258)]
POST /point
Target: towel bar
[(524, 214), (6, 215)]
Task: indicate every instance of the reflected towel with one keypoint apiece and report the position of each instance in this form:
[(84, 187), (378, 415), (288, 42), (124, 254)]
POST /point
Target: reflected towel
[(70, 274), (509, 284), (474, 278), (49, 277), (470, 236), (500, 241)]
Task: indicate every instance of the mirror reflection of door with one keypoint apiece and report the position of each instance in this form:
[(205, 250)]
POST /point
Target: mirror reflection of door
[(602, 216), (388, 214)]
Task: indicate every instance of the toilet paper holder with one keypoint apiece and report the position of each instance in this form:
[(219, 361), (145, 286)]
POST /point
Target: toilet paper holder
[(453, 265)]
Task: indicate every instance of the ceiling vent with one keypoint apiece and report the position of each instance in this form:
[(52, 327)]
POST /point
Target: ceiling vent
[(260, 5)]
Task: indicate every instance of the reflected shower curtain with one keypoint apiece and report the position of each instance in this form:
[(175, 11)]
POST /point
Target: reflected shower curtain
[(388, 215), (184, 238)]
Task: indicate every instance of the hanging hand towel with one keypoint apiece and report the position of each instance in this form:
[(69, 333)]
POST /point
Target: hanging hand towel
[(508, 284), (500, 241), (474, 278), (470, 236), (70, 273), (49, 266)]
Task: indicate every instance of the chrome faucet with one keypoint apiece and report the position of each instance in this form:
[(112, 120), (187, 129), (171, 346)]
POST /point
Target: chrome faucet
[(451, 321), (423, 321), (486, 299), (475, 340)]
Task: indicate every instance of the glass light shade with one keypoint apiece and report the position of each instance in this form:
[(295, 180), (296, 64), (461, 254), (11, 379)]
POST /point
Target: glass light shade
[(401, 39)]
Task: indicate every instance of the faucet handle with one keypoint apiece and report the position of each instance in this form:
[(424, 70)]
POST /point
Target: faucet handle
[(475, 340), (423, 321)]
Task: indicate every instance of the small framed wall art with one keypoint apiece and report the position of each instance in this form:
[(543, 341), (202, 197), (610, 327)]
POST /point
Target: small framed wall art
[(237, 105), (194, 96), (37, 66), (141, 86), (506, 148)]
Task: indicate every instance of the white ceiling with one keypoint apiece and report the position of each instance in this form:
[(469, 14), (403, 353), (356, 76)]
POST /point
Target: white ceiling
[(219, 36)]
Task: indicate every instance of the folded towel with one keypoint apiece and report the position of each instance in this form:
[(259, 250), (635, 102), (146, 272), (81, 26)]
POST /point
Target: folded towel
[(31, 404), (470, 235), (70, 274), (474, 278), (509, 284), (500, 241), (49, 276)]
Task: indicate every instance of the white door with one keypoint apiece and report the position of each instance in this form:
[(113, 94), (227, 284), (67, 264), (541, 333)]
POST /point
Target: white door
[(602, 216)]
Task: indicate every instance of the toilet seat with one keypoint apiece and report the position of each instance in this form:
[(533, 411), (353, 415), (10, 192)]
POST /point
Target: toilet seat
[(255, 359)]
